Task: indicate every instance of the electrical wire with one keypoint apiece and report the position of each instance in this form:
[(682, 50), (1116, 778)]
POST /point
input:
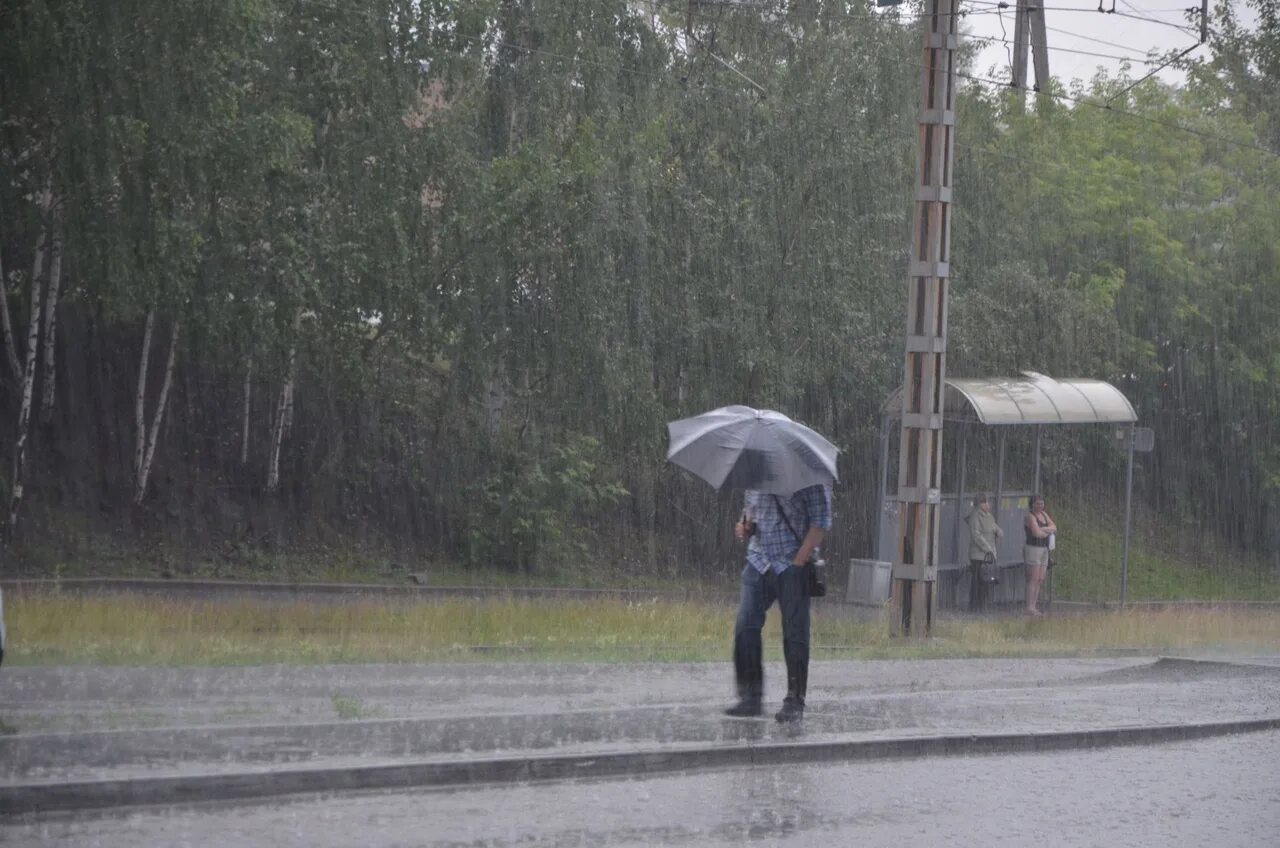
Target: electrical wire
[(1153, 72), (993, 40), (1187, 28), (1004, 4), (1084, 37), (1004, 36), (1138, 11)]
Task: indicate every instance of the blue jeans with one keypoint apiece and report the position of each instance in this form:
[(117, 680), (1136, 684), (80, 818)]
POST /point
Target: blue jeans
[(791, 590)]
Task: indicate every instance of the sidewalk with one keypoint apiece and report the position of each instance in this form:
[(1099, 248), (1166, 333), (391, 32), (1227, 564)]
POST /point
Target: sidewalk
[(96, 737)]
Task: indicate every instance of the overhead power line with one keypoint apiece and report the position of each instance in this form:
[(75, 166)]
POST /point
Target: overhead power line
[(1187, 28), (1095, 40), (1122, 92), (992, 40), (1003, 4)]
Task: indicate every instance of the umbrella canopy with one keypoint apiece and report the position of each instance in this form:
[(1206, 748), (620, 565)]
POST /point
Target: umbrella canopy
[(743, 448)]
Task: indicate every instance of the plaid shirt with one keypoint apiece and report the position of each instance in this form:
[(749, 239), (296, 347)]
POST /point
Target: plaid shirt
[(774, 545)]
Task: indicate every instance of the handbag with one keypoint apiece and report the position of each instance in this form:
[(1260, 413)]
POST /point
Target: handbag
[(815, 568), (988, 571)]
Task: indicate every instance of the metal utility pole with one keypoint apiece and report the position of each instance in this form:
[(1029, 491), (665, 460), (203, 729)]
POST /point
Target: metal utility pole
[(915, 566)]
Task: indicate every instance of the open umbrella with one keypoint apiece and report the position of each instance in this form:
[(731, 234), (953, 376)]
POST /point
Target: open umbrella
[(743, 448)]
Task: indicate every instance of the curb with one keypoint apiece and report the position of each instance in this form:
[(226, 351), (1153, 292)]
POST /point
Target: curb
[(104, 794)]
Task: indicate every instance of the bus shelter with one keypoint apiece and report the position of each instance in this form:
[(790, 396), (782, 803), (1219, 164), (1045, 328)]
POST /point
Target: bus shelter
[(1032, 401)]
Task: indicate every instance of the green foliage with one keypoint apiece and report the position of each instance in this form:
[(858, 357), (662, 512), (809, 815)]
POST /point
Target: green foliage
[(350, 707), (499, 244), (526, 516)]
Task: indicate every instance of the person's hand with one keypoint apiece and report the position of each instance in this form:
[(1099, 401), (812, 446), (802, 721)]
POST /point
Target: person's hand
[(742, 529)]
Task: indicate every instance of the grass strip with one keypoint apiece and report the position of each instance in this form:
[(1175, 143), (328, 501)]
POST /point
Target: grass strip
[(47, 628)]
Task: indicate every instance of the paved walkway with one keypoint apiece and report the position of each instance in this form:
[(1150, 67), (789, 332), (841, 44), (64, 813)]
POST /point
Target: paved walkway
[(101, 737)]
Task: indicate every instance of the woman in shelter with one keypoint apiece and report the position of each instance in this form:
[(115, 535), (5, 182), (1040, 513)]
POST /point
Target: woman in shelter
[(1040, 530)]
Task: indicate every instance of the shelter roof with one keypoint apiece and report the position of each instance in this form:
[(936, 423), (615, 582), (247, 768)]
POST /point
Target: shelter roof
[(1031, 399)]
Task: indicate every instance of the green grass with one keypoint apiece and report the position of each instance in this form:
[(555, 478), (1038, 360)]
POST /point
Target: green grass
[(350, 707), (53, 629), (1166, 563)]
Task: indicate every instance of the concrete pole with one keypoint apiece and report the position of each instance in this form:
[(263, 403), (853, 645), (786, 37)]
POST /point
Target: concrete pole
[(1021, 41), (1039, 43), (915, 565)]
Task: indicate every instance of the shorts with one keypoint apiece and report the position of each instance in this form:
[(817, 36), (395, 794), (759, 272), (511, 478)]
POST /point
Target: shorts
[(1035, 556)]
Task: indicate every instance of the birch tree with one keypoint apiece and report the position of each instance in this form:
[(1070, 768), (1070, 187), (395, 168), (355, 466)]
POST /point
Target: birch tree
[(283, 418), (247, 391), (6, 324), (49, 381), (152, 435), (28, 380), (140, 398)]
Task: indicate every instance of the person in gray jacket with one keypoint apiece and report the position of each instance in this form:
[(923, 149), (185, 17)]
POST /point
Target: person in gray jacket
[(984, 547)]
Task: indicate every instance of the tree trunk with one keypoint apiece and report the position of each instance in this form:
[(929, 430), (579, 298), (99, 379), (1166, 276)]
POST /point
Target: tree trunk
[(244, 426), (51, 318), (140, 399), (144, 470), (284, 410), (6, 326), (28, 383)]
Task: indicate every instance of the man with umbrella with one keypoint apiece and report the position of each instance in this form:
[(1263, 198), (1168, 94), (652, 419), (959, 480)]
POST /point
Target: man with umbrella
[(786, 469)]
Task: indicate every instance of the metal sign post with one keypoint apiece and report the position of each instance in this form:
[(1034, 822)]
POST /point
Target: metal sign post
[(1135, 439)]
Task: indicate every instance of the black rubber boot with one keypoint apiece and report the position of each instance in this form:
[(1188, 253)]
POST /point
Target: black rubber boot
[(746, 708), (792, 710)]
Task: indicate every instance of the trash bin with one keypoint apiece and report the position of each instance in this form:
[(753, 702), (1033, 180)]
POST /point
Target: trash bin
[(869, 581)]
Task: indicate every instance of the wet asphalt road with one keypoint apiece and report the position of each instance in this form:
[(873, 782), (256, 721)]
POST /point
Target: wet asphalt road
[(90, 724), (1220, 792)]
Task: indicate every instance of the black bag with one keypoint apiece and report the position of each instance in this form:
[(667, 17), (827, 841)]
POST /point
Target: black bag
[(988, 571), (816, 568)]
